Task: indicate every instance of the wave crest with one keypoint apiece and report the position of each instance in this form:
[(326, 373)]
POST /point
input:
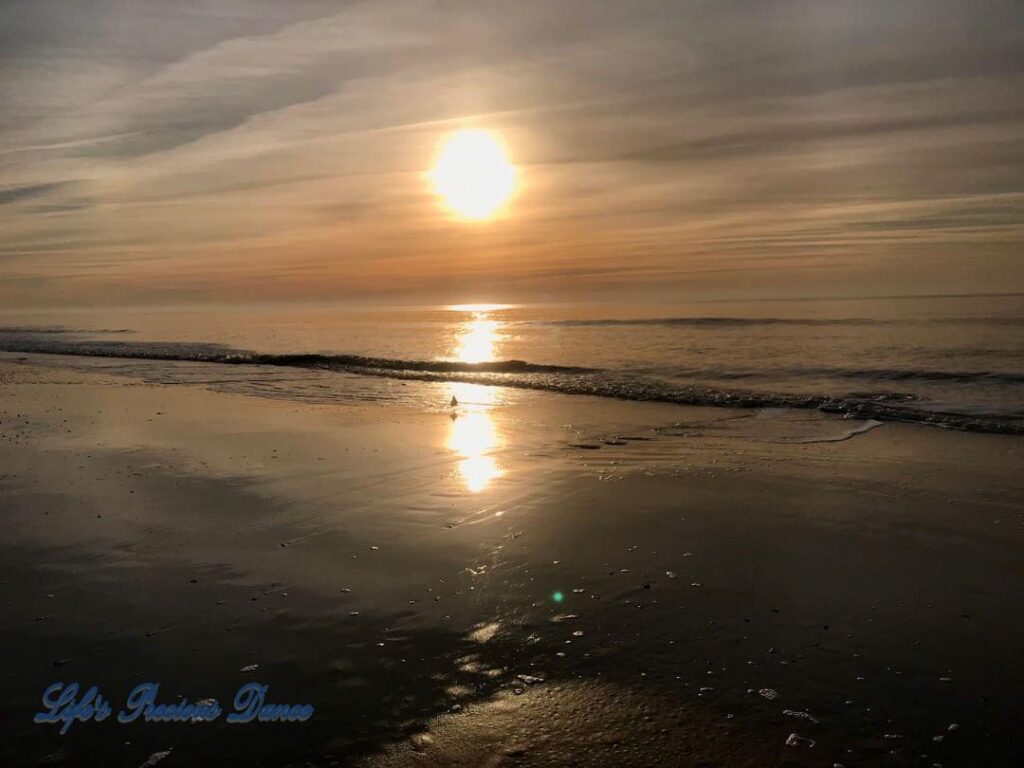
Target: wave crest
[(574, 380)]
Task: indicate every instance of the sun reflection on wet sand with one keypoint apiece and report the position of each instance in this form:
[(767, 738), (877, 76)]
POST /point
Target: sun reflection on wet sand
[(474, 435), (478, 472)]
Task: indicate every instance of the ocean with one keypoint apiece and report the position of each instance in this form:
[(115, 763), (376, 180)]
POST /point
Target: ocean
[(951, 361)]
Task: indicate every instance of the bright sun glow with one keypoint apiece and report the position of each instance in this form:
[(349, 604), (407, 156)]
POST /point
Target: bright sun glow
[(476, 341), (473, 174)]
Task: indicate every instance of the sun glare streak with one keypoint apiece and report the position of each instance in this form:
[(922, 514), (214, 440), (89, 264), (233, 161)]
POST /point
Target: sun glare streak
[(478, 307), (473, 175), (478, 471), (477, 339), (473, 436)]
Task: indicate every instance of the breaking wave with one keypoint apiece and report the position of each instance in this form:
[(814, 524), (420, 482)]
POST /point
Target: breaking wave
[(574, 380)]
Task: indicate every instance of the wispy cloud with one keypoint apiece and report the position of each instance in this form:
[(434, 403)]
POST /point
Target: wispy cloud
[(17, 194), (691, 146)]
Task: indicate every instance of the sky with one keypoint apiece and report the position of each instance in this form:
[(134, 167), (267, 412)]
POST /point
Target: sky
[(161, 153)]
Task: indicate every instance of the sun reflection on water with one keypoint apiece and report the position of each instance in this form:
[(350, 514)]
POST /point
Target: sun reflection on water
[(478, 307), (477, 339), (474, 434)]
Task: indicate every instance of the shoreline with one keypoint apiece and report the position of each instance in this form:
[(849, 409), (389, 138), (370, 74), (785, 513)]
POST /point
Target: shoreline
[(352, 554), (887, 406)]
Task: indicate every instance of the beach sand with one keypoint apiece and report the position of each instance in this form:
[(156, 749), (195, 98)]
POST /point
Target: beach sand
[(526, 579)]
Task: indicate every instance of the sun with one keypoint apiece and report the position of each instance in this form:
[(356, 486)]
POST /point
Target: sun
[(473, 175)]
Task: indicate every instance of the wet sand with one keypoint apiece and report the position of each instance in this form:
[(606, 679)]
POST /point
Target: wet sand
[(727, 578)]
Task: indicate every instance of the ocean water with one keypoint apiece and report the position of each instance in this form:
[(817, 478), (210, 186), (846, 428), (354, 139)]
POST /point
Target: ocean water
[(955, 361)]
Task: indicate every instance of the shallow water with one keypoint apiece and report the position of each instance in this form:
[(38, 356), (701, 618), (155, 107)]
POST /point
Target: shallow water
[(953, 361)]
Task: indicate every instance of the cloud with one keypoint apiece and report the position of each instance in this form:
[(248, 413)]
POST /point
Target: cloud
[(17, 194), (262, 143)]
